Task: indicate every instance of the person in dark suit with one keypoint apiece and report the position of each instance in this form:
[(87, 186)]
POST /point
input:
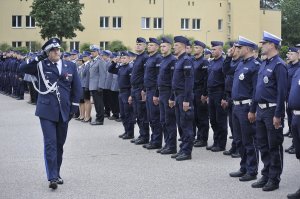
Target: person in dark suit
[(59, 90)]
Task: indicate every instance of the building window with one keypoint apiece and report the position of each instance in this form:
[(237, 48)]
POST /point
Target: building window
[(104, 22), (193, 3), (157, 23), (74, 45), (16, 44), (30, 22), (117, 22), (145, 22), (31, 46), (220, 24), (184, 24), (16, 21), (104, 45), (153, 1), (196, 24)]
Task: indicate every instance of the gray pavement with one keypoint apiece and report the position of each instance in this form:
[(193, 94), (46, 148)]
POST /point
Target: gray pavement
[(97, 164)]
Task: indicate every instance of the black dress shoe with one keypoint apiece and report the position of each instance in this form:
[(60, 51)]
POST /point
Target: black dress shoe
[(183, 157), (295, 195), (200, 143), (292, 151), (118, 120), (141, 141), (237, 174), (209, 147), (106, 115), (133, 140), (229, 152), (152, 146), (53, 184), (290, 135), (235, 155), (217, 149), (112, 118), (59, 181), (168, 151), (128, 137), (175, 155), (247, 177), (20, 98), (270, 186), (146, 145), (121, 136), (96, 123), (159, 150), (287, 150), (260, 183), (79, 118)]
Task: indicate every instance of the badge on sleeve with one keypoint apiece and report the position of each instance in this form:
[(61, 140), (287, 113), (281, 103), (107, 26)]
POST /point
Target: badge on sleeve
[(266, 79), (242, 77)]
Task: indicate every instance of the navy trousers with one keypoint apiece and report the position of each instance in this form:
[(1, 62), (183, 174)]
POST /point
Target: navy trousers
[(201, 121), (245, 136), (269, 142), (167, 119), (296, 134), (126, 112), (218, 119), (140, 112), (154, 118), (185, 121), (55, 134)]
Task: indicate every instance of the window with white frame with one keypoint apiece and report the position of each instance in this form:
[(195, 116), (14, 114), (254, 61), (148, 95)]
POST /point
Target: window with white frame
[(16, 44), (196, 24), (220, 24), (185, 23), (16, 21), (117, 22), (74, 45), (157, 23), (145, 22), (104, 22), (104, 45), (30, 22)]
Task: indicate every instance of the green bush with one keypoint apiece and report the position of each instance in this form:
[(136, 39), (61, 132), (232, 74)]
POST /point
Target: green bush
[(116, 45), (85, 47), (5, 47)]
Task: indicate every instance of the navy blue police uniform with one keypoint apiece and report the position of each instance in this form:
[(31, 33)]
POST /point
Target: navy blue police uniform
[(59, 96), (182, 85), (201, 120), (270, 96), (216, 92), (139, 106), (229, 67), (164, 92), (152, 66), (126, 110), (243, 92)]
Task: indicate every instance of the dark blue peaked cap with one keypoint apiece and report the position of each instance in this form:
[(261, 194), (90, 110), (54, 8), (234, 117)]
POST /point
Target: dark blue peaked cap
[(140, 40), (216, 43), (293, 49), (166, 40), (132, 54), (199, 43), (181, 39), (154, 40), (124, 53)]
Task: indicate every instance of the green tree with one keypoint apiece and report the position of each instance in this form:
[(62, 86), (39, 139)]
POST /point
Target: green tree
[(57, 18), (4, 47), (116, 45), (85, 47), (290, 22)]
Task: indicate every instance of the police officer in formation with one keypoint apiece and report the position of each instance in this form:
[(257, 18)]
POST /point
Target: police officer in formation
[(201, 121), (96, 83), (270, 95), (243, 117), (293, 66), (162, 96), (229, 66)]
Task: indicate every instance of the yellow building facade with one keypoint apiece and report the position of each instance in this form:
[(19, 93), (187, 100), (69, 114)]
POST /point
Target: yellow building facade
[(108, 20)]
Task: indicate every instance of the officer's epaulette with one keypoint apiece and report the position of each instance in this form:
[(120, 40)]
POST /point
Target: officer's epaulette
[(256, 62)]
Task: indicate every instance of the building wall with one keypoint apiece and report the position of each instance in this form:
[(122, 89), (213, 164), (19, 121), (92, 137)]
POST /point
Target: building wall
[(240, 17)]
